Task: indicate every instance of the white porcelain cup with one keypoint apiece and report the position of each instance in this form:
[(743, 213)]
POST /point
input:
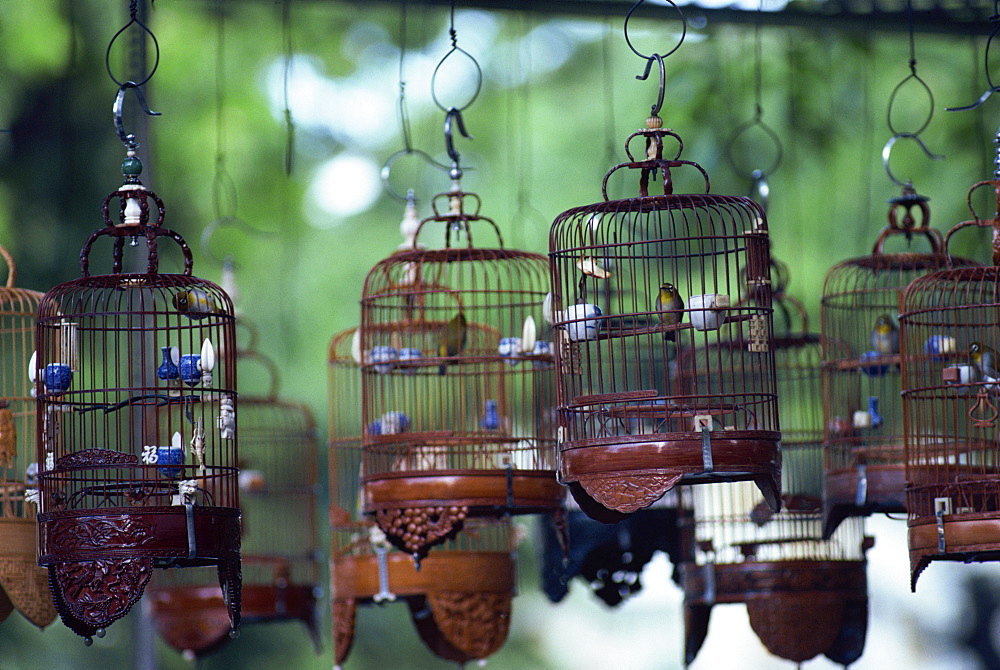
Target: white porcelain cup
[(707, 311), (583, 322)]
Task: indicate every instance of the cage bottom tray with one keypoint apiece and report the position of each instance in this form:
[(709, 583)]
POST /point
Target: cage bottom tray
[(799, 609), (627, 473), (862, 492), (971, 537), (467, 595)]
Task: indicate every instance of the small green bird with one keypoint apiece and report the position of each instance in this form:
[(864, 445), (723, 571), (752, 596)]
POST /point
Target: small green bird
[(885, 336), (669, 305), (195, 303), (985, 359), (451, 339)]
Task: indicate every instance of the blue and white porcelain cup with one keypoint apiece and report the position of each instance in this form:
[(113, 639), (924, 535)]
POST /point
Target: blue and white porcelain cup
[(582, 321), (57, 377)]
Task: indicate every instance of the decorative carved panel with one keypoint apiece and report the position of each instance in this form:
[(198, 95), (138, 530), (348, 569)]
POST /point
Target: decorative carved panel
[(93, 594), (417, 529), (474, 623), (628, 494), (344, 612)]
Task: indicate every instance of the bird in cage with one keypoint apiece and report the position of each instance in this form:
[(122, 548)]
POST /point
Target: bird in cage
[(668, 304), (451, 339), (984, 358), (885, 336), (195, 303)]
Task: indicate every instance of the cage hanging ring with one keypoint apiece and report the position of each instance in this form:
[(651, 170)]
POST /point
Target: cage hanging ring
[(677, 46), (991, 87), (892, 101), (220, 222), (887, 151), (156, 51), (779, 149), (478, 76), (387, 168)]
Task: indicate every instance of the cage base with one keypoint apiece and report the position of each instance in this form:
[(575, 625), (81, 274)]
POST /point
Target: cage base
[(23, 585), (969, 538), (798, 609), (854, 492)]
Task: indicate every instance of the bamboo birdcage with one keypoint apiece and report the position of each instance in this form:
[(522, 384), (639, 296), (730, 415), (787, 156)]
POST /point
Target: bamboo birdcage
[(136, 428), (948, 330), (627, 432), (280, 549), (804, 595), (864, 460), (466, 580), (457, 386), (23, 585)]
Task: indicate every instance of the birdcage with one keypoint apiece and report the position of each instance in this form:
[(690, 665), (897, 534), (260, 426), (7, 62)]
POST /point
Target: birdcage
[(457, 386), (280, 547), (636, 283), (23, 585), (460, 598), (135, 381), (864, 460), (948, 328), (804, 595)]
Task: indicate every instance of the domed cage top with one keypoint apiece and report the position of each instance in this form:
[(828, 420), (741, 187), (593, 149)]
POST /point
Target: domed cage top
[(135, 381), (23, 585), (948, 328), (777, 563), (636, 284), (280, 548), (864, 460), (457, 385)]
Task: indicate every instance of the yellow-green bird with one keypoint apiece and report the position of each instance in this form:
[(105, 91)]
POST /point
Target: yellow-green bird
[(668, 305), (985, 359), (195, 303), (885, 335), (451, 339)]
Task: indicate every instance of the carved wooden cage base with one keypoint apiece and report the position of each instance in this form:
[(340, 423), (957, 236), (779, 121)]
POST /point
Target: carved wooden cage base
[(862, 491)]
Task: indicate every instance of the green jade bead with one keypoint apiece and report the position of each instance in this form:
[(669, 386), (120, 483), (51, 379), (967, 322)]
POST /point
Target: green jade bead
[(132, 166)]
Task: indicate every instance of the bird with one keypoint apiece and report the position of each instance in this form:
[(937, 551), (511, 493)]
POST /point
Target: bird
[(984, 358), (885, 336), (195, 303), (451, 339), (669, 299)]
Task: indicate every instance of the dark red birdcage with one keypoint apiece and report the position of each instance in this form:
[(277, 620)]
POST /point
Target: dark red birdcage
[(23, 585), (457, 384), (864, 461), (636, 284), (948, 329), (460, 599), (280, 549), (135, 380), (804, 595)]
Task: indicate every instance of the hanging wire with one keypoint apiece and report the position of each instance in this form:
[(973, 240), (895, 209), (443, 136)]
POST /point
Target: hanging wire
[(655, 57), (404, 120), (915, 134), (129, 139), (759, 187), (991, 87), (453, 113), (286, 39)]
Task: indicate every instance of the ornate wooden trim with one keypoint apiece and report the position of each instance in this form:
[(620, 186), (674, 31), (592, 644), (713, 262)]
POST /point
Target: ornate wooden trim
[(417, 529), (26, 587), (91, 595), (344, 613), (476, 624), (627, 494), (95, 458), (526, 491)]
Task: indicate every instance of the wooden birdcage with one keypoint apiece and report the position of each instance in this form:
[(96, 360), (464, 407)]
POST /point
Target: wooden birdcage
[(864, 460), (457, 387), (135, 380), (636, 283), (948, 330), (280, 549), (469, 579), (23, 585), (804, 595)]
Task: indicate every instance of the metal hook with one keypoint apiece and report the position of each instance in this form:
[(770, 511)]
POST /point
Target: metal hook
[(892, 99), (387, 168), (676, 46), (993, 88), (887, 150), (645, 75), (779, 153), (133, 9), (128, 139), (454, 115), (479, 72)]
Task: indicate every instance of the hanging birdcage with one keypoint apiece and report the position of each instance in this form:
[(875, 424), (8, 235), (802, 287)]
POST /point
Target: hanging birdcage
[(804, 595), (280, 558), (460, 599), (135, 380), (636, 283), (864, 460), (23, 585), (948, 329), (457, 387)]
